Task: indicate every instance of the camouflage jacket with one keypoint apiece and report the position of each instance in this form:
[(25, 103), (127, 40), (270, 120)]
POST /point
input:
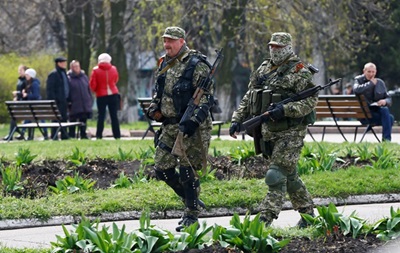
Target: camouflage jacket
[(289, 78), (166, 100)]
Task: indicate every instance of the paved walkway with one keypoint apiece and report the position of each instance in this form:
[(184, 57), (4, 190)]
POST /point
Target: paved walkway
[(41, 237)]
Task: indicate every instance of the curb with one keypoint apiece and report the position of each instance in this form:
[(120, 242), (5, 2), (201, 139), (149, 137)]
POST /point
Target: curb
[(174, 214)]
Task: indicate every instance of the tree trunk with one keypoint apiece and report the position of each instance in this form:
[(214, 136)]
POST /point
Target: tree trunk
[(318, 61), (116, 46), (100, 27), (86, 39), (74, 27), (231, 20)]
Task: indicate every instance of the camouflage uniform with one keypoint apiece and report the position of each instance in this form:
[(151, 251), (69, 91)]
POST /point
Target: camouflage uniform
[(285, 136), (185, 182)]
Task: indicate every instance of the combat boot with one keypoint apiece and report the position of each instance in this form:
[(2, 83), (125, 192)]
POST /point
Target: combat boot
[(266, 218), (190, 217)]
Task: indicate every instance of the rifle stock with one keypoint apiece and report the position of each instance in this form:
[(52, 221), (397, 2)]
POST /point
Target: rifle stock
[(178, 149), (251, 124)]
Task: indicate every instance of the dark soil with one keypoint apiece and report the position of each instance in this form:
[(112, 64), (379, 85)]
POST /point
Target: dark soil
[(39, 175), (333, 245), (304, 245)]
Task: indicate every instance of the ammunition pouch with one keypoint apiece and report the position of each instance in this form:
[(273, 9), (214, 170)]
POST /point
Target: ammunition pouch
[(280, 125), (309, 118), (255, 102), (260, 100)]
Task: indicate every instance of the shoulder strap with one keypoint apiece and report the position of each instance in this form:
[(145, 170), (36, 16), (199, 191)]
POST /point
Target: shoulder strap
[(171, 63), (265, 76), (188, 73), (286, 67)]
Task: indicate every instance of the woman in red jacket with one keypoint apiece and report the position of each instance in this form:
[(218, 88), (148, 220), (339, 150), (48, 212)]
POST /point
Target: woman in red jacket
[(103, 82)]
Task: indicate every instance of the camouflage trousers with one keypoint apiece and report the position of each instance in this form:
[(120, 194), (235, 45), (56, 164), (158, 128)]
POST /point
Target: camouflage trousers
[(285, 155), (185, 183), (196, 147)]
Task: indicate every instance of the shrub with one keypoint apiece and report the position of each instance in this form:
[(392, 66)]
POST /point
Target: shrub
[(42, 63), (331, 223), (24, 157), (11, 179), (72, 184), (388, 228)]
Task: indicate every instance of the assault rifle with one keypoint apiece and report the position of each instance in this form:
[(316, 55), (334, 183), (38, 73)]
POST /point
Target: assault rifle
[(178, 148), (252, 123)]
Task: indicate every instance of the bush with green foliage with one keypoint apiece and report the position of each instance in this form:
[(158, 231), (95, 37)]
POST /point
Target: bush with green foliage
[(42, 63)]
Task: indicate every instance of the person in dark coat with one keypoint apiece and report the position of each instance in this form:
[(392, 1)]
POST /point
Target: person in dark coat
[(32, 92), (17, 96), (58, 90), (80, 98), (379, 100)]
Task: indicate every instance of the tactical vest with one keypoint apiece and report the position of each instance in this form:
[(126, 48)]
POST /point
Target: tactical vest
[(262, 98), (182, 90)]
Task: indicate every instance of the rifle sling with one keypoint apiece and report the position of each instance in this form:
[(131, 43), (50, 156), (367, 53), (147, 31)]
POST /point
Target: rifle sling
[(265, 77), (171, 63)]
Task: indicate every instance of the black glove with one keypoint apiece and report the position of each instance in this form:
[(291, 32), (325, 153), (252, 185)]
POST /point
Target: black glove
[(276, 112), (234, 128), (188, 127)]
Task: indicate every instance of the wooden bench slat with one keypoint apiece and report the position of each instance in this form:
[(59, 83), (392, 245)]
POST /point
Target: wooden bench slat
[(37, 111), (340, 111)]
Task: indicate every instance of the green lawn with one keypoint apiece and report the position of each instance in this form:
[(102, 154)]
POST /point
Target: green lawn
[(156, 196)]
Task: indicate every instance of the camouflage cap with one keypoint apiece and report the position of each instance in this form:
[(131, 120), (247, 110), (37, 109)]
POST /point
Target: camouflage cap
[(174, 32), (281, 39)]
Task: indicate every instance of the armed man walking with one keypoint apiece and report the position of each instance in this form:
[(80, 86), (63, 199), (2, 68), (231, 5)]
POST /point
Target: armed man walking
[(179, 73), (280, 136)]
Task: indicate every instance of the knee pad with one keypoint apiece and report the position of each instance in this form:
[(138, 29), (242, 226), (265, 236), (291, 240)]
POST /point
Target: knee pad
[(166, 175), (275, 178), (294, 183)]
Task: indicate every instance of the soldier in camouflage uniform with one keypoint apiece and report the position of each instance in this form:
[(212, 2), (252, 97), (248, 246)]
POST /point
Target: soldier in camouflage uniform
[(284, 129), (180, 71)]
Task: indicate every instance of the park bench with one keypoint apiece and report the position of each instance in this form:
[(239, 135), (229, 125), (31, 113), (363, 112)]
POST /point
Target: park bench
[(144, 103), (342, 111), (37, 111)]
